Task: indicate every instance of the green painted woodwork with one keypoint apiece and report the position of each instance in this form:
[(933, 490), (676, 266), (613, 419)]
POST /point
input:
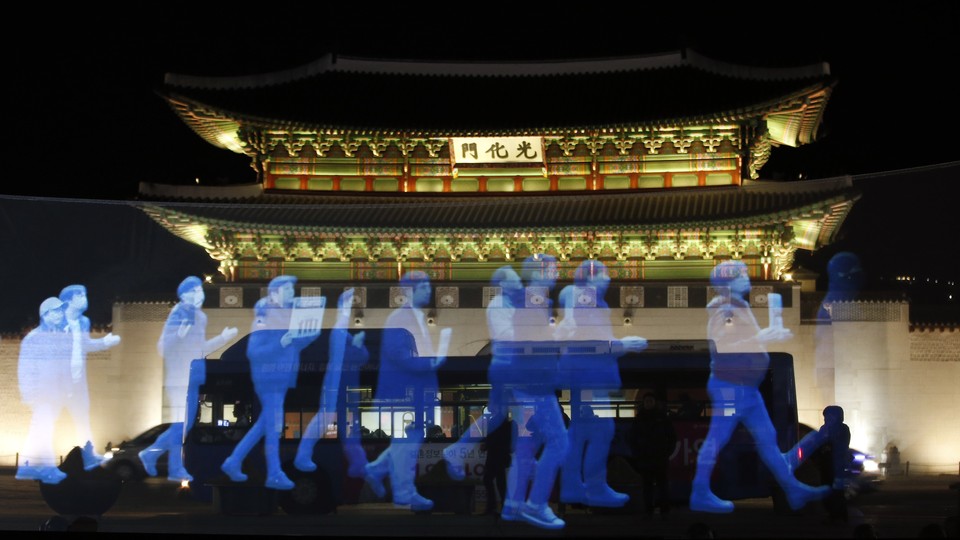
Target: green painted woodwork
[(386, 184), (571, 183), (616, 182), (353, 183), (536, 184), (429, 185), (465, 185), (286, 183)]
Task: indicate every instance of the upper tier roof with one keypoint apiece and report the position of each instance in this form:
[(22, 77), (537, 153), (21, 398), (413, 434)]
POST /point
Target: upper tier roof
[(756, 203), (445, 99)]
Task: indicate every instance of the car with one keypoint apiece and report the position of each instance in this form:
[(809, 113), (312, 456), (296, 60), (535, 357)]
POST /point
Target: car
[(863, 471), (124, 459)]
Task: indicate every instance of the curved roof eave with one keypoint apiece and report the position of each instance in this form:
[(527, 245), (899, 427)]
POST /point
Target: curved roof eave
[(330, 63), (216, 125), (835, 196)]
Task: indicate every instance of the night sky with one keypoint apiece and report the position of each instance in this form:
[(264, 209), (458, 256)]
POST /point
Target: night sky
[(86, 122)]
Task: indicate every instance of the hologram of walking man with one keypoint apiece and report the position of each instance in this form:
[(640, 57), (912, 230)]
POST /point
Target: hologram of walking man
[(77, 396), (504, 374), (346, 354), (738, 366), (184, 339), (590, 377), (538, 391), (273, 350), (41, 357), (408, 365)]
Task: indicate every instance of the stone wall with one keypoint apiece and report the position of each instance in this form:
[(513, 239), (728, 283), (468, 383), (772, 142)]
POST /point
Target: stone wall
[(897, 384)]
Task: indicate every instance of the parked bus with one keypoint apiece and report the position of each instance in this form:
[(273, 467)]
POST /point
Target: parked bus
[(676, 371)]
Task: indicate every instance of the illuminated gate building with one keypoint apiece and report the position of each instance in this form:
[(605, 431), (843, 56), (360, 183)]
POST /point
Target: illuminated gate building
[(368, 168)]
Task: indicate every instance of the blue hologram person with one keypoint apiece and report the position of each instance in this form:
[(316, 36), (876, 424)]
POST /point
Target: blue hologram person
[(591, 378), (535, 378), (183, 339), (503, 375), (844, 279), (736, 370), (346, 354), (274, 354), (408, 365), (77, 394), (41, 361)]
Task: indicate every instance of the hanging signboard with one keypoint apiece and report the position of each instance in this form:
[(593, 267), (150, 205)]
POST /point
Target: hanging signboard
[(496, 150)]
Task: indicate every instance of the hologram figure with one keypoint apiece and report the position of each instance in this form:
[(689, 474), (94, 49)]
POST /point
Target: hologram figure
[(506, 372), (736, 370), (408, 364), (77, 394), (184, 339), (274, 355), (590, 378), (845, 278), (537, 374), (346, 354), (41, 357)]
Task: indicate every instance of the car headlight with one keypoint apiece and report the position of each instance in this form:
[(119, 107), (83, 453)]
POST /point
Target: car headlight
[(867, 461), (108, 455)]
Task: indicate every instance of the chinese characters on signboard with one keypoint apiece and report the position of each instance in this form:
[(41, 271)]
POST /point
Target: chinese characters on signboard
[(469, 150)]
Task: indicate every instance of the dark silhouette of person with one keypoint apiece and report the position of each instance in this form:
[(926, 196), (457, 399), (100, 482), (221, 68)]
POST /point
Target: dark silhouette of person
[(499, 447), (39, 375), (408, 373), (834, 436), (654, 442), (737, 366), (77, 397), (273, 350), (347, 354), (591, 378), (689, 408), (184, 339), (435, 433)]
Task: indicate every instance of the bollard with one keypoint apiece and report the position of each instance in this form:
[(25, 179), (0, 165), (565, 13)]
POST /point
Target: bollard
[(906, 471)]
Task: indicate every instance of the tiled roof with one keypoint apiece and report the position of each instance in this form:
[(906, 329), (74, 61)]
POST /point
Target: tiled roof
[(757, 203), (450, 99)]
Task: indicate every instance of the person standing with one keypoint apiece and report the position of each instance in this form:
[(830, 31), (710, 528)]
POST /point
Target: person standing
[(654, 441), (77, 393), (499, 447), (834, 434), (184, 339), (274, 355), (41, 354)]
